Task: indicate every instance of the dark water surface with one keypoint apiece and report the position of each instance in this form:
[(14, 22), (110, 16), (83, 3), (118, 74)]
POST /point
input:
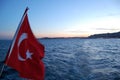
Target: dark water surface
[(74, 59)]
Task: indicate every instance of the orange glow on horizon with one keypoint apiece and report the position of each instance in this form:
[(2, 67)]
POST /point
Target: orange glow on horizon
[(61, 35)]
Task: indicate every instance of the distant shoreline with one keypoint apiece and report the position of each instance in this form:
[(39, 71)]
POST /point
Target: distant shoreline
[(115, 35), (94, 36), (106, 35), (64, 38)]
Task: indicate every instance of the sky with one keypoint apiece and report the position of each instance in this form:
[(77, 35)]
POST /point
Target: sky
[(61, 18)]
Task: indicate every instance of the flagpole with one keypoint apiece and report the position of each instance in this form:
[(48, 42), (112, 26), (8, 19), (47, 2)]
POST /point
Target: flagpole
[(2, 70), (14, 38)]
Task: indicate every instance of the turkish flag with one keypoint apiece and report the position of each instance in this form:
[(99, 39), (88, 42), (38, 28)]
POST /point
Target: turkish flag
[(26, 52)]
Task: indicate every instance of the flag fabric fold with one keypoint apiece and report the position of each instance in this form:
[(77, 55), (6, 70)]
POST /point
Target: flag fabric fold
[(26, 53)]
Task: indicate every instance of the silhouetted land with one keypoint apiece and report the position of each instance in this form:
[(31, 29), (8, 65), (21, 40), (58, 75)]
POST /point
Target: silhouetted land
[(106, 35), (64, 38)]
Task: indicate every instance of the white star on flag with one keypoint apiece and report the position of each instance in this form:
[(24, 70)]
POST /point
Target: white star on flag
[(28, 54)]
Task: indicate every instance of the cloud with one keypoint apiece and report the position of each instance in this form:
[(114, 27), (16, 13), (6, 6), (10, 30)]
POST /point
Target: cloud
[(107, 29), (78, 31)]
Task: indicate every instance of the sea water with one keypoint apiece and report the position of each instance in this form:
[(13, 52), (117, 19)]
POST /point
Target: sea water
[(74, 59)]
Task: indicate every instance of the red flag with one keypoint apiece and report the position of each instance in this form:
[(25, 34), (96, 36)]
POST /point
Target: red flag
[(26, 53)]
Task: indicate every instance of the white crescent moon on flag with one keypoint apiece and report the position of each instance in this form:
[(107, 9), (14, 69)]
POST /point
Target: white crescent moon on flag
[(22, 37)]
